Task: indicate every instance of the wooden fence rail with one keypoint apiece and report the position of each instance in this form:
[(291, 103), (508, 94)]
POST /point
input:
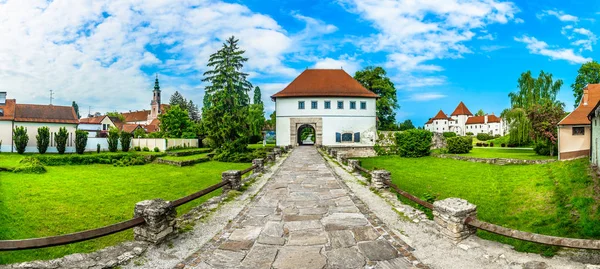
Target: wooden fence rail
[(409, 196)]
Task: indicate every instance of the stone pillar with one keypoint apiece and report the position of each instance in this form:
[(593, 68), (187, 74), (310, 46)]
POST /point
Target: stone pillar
[(449, 216), (160, 220), (260, 165), (379, 177), (233, 176), (270, 157), (341, 157), (353, 164), (334, 154), (277, 152)]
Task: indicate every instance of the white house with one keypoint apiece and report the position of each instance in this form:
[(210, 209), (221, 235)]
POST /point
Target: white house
[(462, 121), (97, 126), (340, 110)]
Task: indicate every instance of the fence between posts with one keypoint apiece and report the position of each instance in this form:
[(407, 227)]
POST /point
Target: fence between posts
[(456, 218), (153, 219)]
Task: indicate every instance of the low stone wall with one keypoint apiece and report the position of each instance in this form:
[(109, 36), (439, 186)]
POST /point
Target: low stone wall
[(354, 152), (183, 163), (496, 161)]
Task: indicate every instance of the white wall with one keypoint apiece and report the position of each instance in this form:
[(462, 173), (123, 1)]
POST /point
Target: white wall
[(289, 107), (32, 128), (6, 135)]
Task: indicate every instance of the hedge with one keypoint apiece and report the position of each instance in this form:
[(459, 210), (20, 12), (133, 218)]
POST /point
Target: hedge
[(102, 158), (484, 136), (449, 134), (414, 143), (459, 145)]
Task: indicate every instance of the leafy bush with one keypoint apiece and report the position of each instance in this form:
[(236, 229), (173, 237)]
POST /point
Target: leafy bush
[(145, 149), (21, 139), (459, 145), (469, 133), (503, 145), (484, 136), (449, 134), (129, 160), (414, 143), (497, 136), (137, 148), (30, 165), (81, 137), (43, 139), (84, 159), (60, 139), (208, 142), (386, 144), (125, 141), (98, 148), (491, 144), (156, 149), (545, 148), (485, 144), (113, 139)]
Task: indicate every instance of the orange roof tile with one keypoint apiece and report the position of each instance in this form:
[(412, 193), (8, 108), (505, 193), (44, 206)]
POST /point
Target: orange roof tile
[(8, 109), (129, 128), (461, 109), (325, 83), (133, 116), (579, 116), (440, 116), (45, 113), (481, 119), (92, 120)]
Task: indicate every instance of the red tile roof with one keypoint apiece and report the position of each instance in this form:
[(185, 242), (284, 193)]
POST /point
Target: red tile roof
[(325, 83), (129, 128), (579, 116), (45, 113), (8, 109), (461, 109), (141, 115), (440, 116), (92, 120), (481, 119)]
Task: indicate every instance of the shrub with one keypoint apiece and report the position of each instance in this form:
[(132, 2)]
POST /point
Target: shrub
[(125, 141), (503, 145), (21, 139), (103, 158), (156, 149), (459, 145), (145, 149), (414, 143), (469, 133), (483, 136), (449, 134), (479, 144), (485, 144), (491, 144), (81, 137), (60, 139), (113, 139), (30, 165), (208, 142), (137, 148), (43, 139), (545, 148)]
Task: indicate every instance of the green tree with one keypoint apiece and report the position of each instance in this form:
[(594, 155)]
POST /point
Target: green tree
[(175, 122), (256, 121), (225, 111), (21, 138), (113, 139), (257, 96), (193, 111), (544, 120), (117, 115), (125, 138), (406, 125), (375, 80), (76, 107), (81, 138), (480, 113), (272, 121), (178, 100), (60, 139), (139, 133), (588, 73), (43, 139)]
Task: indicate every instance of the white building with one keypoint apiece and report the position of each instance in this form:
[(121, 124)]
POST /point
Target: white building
[(340, 110), (462, 121), (148, 117), (97, 126)]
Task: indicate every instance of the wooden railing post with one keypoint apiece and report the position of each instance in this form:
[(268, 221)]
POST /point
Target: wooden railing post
[(260, 165), (353, 164), (449, 216), (235, 179), (379, 179), (160, 220)]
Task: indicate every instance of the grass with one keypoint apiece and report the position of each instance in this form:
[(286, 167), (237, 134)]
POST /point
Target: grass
[(553, 199), (186, 149), (524, 154), (185, 158), (69, 199), (260, 146), (498, 141), (13, 159)]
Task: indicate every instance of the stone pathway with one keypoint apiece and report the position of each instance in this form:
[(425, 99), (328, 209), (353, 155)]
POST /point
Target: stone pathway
[(304, 218)]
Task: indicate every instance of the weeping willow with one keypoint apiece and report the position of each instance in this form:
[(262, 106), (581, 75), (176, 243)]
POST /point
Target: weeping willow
[(519, 126)]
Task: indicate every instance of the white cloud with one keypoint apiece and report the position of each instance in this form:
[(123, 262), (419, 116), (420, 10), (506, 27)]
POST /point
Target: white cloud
[(349, 64), (542, 48), (425, 96), (519, 21), (561, 15), (576, 34), (492, 48), (486, 37)]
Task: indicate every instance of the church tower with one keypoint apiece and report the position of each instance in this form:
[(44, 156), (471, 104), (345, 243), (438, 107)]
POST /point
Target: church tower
[(155, 101)]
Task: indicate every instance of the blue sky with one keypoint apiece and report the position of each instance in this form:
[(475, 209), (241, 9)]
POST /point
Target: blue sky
[(104, 54)]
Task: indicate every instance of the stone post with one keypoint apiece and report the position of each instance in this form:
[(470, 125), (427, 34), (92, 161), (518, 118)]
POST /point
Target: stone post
[(334, 154), (270, 157), (379, 177), (260, 165), (341, 157), (277, 152), (353, 164), (233, 176), (449, 216), (160, 220)]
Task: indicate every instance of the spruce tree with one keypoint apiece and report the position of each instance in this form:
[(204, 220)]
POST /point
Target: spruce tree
[(178, 100), (257, 96)]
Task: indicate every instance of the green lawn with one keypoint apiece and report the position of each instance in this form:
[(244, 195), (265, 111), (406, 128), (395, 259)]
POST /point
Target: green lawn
[(13, 159), (68, 199), (554, 199), (187, 149), (185, 158), (260, 146), (526, 154)]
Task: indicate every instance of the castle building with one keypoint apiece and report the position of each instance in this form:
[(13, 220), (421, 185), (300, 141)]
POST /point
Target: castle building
[(462, 121)]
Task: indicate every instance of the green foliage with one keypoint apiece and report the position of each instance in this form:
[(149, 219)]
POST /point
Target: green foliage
[(414, 143), (139, 133), (146, 149), (156, 149), (113, 139), (375, 79), (176, 122), (544, 120), (43, 139), (81, 138), (20, 138), (84, 159), (306, 132), (257, 96), (272, 121), (192, 110), (137, 148), (97, 148), (545, 148), (60, 139), (116, 115), (406, 125), (386, 144), (125, 141), (484, 136), (469, 133), (460, 145), (480, 113), (208, 142), (76, 108), (30, 165), (256, 120), (449, 134), (588, 73)]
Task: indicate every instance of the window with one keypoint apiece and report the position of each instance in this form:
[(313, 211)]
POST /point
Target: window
[(578, 130), (314, 105), (356, 137), (347, 137), (340, 105), (363, 105), (300, 104), (1, 112), (352, 104), (327, 104)]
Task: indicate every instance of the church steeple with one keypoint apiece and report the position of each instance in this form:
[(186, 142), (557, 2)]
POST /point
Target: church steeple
[(156, 109), (156, 86)]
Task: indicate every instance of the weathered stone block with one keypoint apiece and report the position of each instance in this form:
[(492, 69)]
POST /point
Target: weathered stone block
[(379, 177), (260, 165), (449, 216), (160, 220), (277, 152), (333, 153), (235, 179), (353, 164)]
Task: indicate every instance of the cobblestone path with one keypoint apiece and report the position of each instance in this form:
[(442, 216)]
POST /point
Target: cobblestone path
[(304, 217)]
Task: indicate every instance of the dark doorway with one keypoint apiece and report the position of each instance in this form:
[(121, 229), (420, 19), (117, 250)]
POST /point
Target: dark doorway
[(306, 135)]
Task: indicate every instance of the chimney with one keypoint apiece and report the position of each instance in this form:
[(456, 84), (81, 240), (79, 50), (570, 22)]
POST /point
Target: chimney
[(585, 96), (2, 98), (485, 119)]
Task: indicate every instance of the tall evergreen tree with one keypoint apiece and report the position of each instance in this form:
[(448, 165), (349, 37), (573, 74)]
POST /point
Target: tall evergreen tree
[(480, 113), (588, 73), (178, 100), (257, 96), (193, 111), (76, 107), (376, 80), (226, 100)]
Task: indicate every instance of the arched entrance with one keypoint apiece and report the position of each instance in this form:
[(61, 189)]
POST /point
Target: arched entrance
[(306, 135)]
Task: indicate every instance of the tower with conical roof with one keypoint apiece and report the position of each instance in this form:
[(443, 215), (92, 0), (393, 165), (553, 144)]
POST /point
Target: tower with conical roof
[(155, 100), (461, 114)]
